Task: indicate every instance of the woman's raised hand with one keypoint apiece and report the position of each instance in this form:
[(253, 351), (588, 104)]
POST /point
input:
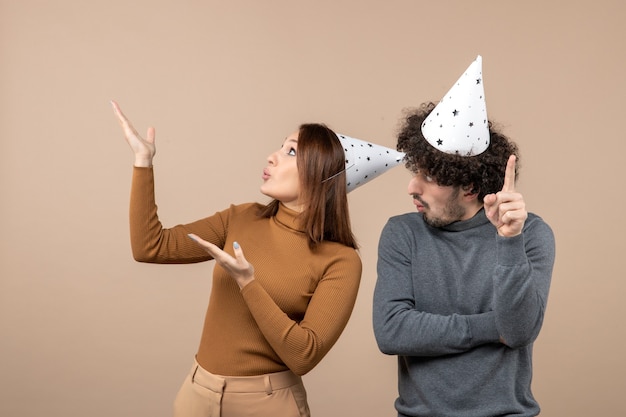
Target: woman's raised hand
[(144, 149)]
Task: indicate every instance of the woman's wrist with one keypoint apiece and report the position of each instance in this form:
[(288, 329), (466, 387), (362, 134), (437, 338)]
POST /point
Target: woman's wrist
[(242, 282), (142, 162)]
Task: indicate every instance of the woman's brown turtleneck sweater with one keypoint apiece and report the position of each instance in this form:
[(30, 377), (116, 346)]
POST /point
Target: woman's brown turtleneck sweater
[(288, 317)]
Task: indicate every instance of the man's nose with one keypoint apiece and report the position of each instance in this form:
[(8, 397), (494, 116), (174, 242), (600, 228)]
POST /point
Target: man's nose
[(415, 186)]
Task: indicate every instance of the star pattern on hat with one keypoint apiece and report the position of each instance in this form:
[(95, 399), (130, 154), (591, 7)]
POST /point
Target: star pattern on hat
[(454, 124), (366, 160)]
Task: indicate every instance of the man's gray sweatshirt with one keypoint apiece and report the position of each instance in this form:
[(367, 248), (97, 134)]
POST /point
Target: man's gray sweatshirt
[(461, 307)]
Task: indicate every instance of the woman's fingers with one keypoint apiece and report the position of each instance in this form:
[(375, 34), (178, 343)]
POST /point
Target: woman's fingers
[(151, 135), (238, 267), (144, 149)]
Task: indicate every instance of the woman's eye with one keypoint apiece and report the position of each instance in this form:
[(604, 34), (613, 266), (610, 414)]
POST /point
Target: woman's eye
[(428, 178), (291, 152)]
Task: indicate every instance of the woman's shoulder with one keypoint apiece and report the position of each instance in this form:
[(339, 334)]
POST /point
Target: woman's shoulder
[(243, 209), (339, 252)]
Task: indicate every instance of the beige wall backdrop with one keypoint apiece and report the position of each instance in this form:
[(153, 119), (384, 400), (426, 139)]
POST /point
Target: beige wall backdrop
[(86, 331)]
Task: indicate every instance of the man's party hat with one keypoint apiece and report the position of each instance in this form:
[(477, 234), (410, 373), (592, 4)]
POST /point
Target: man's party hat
[(366, 161), (458, 124)]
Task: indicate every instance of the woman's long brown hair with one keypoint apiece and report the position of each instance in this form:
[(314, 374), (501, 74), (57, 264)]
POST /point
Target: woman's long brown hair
[(321, 168)]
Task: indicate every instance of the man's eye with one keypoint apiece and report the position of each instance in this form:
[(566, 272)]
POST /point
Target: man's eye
[(426, 177)]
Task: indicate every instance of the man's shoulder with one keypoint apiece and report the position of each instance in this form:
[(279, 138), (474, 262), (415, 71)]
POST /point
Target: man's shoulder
[(404, 223), (405, 218)]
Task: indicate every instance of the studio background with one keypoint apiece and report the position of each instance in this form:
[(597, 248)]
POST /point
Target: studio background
[(86, 331)]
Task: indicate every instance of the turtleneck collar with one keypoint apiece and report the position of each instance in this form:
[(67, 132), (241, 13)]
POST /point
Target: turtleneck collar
[(479, 219), (289, 218)]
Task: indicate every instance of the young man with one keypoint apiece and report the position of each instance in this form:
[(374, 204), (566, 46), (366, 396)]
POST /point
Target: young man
[(463, 283)]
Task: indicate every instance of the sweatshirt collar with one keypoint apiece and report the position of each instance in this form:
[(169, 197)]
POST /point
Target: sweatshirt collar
[(479, 219)]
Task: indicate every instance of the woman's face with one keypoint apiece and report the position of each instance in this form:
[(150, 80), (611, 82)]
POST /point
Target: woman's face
[(280, 177)]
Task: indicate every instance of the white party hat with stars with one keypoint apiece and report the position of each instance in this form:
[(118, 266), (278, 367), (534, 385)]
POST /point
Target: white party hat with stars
[(366, 161), (458, 124)]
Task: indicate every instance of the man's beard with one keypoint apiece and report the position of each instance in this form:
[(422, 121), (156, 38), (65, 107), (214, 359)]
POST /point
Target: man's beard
[(452, 212)]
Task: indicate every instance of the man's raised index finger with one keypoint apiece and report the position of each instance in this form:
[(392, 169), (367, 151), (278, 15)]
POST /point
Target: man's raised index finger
[(509, 175)]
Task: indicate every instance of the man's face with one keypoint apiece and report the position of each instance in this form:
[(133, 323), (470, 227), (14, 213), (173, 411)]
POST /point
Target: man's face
[(439, 205)]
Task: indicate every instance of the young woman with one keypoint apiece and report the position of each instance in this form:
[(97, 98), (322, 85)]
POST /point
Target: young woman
[(274, 312)]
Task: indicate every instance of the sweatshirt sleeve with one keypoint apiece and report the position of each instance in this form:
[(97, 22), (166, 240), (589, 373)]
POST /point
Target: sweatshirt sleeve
[(151, 242), (522, 282), (301, 345), (400, 328)]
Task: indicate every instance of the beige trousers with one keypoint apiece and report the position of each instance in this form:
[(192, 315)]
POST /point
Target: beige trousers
[(204, 394)]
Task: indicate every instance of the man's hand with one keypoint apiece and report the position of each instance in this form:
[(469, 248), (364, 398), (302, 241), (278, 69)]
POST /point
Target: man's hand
[(506, 209)]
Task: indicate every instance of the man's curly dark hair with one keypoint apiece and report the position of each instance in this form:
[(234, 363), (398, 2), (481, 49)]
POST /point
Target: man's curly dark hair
[(483, 173)]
